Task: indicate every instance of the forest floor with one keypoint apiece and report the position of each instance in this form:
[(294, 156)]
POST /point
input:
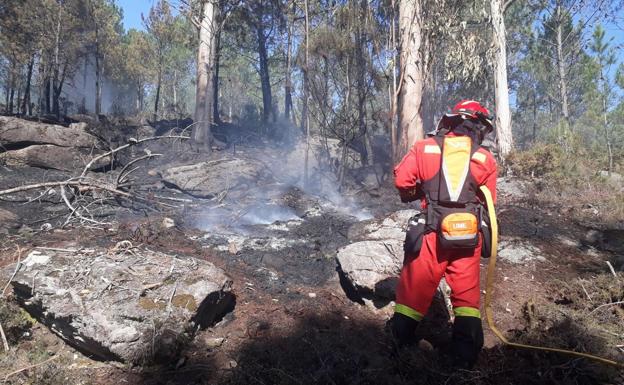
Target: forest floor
[(294, 324)]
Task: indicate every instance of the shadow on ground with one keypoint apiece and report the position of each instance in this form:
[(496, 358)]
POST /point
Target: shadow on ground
[(337, 349)]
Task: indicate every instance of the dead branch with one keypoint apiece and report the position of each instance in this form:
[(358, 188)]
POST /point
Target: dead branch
[(54, 357), (132, 142), (17, 267), (75, 212), (121, 173), (612, 270), (4, 339), (605, 305), (174, 199)]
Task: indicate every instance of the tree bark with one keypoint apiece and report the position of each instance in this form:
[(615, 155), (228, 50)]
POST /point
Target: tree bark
[(504, 134), (204, 90), (305, 119), (393, 89), (98, 73), (26, 101), (158, 86), (215, 81), (48, 94), (362, 87), (265, 80), (412, 74), (175, 92), (55, 76), (288, 82), (563, 91), (98, 85), (12, 76)]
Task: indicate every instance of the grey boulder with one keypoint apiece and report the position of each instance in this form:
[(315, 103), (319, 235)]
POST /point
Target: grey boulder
[(124, 304), (211, 178), (53, 157), (372, 267), (15, 131), (372, 262)]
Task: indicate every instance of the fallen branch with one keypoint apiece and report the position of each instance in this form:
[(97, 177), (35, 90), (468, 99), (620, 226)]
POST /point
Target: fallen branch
[(74, 211), (6, 378), (132, 142), (612, 270), (605, 305), (121, 173), (4, 339), (174, 199), (17, 267)]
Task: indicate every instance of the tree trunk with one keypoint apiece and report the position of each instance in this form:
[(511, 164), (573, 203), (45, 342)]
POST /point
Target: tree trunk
[(503, 113), (175, 93), (12, 76), (345, 135), (393, 90), (56, 95), (288, 82), (7, 92), (48, 94), (534, 113), (57, 64), (26, 101), (204, 90), (305, 119), (265, 80), (361, 82), (98, 77), (158, 86), (215, 81), (563, 91), (412, 74), (11, 97), (57, 88)]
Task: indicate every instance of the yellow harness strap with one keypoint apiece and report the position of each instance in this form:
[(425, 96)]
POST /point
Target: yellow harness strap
[(489, 289)]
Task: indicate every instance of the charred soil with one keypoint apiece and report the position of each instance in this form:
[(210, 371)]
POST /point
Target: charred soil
[(293, 322)]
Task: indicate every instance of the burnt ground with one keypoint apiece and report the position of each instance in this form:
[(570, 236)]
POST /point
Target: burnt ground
[(293, 322)]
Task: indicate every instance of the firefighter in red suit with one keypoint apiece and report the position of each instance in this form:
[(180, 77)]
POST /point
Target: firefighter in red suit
[(445, 171)]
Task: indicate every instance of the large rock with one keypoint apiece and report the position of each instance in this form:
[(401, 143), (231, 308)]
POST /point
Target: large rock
[(123, 304), (372, 267), (15, 132), (392, 227), (52, 157), (518, 251), (209, 179), (372, 263)]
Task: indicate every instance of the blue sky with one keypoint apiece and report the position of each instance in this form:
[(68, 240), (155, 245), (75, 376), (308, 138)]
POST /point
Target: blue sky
[(132, 10)]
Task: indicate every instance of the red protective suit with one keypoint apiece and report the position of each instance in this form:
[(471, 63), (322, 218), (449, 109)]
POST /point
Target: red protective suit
[(421, 274)]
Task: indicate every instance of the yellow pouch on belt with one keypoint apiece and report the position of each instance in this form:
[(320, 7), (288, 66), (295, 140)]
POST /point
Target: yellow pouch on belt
[(459, 229)]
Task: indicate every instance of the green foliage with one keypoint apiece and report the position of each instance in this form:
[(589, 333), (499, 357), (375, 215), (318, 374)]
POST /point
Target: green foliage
[(540, 160)]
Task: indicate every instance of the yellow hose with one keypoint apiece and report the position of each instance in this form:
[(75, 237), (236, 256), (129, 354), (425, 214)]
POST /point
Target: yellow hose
[(489, 289)]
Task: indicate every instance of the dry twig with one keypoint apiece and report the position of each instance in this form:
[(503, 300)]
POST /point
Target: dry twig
[(4, 339), (17, 267), (605, 305), (54, 357)]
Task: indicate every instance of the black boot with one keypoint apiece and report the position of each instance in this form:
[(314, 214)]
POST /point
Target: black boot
[(403, 329), (467, 341)]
